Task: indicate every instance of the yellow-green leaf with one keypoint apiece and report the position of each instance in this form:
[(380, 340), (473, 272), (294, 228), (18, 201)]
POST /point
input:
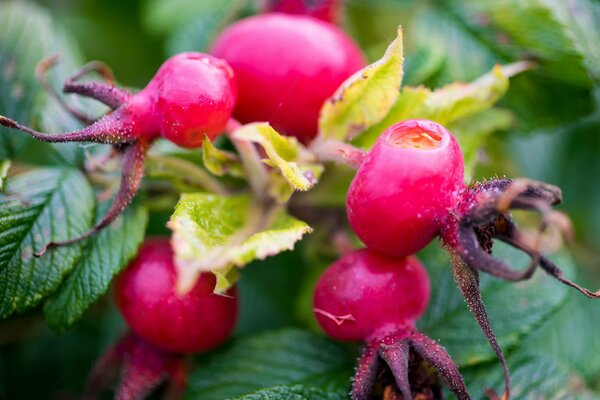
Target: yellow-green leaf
[(448, 103), (284, 153), (364, 98), (216, 233)]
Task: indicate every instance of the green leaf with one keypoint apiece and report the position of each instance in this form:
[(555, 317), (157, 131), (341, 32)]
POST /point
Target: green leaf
[(364, 98), (571, 336), (103, 256), (532, 377), (212, 233), (40, 206), (515, 309), (274, 362), (446, 104), (4, 168), (295, 392), (285, 154), (221, 162), (478, 34), (27, 36), (582, 19)]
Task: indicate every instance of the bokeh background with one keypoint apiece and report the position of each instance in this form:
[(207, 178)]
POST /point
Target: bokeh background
[(551, 132)]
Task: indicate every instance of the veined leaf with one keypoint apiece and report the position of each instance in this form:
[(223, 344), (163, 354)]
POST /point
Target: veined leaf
[(214, 233), (268, 361), (515, 309), (448, 103), (284, 153), (533, 377), (40, 206), (364, 98), (103, 257)]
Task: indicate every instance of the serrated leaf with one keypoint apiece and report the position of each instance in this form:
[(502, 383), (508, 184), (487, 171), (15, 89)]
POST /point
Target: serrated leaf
[(102, 257), (4, 168), (515, 309), (364, 98), (295, 392), (221, 162), (212, 233), (27, 36), (43, 205), (446, 104), (269, 360), (284, 153)]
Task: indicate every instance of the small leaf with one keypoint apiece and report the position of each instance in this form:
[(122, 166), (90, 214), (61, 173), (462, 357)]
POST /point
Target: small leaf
[(40, 206), (287, 361), (212, 233), (103, 256), (446, 104), (514, 309), (221, 162), (364, 98), (4, 168), (284, 153)]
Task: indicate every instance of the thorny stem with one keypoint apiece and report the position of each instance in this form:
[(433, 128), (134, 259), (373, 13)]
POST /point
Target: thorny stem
[(338, 152), (255, 169), (170, 166)]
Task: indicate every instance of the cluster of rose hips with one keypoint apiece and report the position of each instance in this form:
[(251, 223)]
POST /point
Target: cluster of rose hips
[(409, 189)]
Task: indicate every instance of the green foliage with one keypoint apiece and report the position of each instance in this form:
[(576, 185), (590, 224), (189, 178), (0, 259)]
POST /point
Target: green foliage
[(41, 206), (216, 233), (103, 256), (447, 66), (287, 362), (27, 36), (365, 98), (514, 309)]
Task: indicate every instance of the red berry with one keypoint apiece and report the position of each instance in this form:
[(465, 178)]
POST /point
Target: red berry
[(365, 295), (286, 66), (405, 187), (193, 95), (145, 293)]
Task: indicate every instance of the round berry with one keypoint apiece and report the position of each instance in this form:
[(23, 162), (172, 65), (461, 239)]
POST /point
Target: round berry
[(145, 293), (365, 295), (405, 187), (194, 95), (286, 66)]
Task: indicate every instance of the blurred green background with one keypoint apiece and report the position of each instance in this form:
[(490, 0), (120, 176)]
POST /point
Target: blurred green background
[(554, 137)]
